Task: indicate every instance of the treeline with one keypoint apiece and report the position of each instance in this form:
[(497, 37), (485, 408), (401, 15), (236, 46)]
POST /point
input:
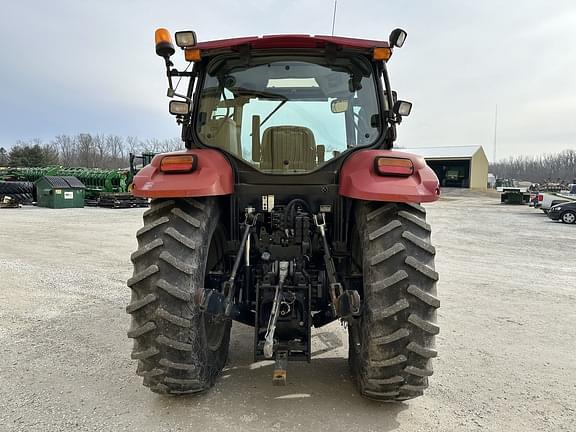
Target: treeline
[(113, 151), (84, 150), (551, 167)]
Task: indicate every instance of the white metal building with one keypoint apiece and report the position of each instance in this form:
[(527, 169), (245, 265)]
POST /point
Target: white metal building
[(456, 166)]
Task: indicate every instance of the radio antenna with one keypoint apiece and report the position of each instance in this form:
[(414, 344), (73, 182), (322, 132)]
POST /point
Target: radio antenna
[(495, 133), (334, 17)]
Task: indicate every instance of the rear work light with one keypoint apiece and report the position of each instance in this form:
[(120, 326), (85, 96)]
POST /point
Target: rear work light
[(178, 164), (185, 39), (391, 166)]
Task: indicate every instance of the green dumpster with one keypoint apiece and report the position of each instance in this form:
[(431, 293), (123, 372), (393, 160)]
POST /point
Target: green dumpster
[(60, 192)]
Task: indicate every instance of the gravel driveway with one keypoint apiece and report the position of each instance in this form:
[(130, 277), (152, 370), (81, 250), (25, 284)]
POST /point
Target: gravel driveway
[(507, 343)]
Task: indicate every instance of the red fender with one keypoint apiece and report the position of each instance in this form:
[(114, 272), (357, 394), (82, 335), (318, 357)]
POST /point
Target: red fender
[(359, 180), (213, 176)]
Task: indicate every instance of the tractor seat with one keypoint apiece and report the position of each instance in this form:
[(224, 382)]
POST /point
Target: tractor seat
[(221, 133), (288, 148)]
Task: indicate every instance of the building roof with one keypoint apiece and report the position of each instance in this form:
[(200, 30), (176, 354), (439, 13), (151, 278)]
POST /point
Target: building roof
[(445, 152), (63, 182)]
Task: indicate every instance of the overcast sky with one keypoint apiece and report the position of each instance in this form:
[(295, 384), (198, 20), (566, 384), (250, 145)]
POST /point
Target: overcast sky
[(89, 66)]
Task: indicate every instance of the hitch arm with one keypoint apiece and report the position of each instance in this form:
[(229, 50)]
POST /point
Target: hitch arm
[(219, 303), (345, 304), (229, 287), (335, 286)]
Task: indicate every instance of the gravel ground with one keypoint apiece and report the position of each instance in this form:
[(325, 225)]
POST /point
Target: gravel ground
[(507, 345)]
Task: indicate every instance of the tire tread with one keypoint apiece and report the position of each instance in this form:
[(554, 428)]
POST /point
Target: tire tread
[(398, 326), (167, 328)]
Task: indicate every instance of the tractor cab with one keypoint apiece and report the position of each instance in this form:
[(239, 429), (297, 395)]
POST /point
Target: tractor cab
[(286, 104), (288, 114)]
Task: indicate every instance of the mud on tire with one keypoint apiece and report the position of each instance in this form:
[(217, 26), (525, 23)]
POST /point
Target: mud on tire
[(396, 330), (179, 349)]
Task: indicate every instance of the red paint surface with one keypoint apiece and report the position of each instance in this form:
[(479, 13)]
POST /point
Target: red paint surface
[(213, 176), (359, 180), (291, 41)]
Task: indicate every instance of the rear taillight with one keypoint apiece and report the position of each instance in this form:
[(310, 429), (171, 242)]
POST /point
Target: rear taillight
[(178, 164), (391, 166), (540, 197)]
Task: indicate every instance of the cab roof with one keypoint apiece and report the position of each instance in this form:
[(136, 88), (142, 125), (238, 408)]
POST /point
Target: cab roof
[(292, 41)]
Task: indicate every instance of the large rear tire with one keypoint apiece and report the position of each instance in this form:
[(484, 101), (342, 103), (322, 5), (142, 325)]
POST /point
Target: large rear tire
[(396, 330), (179, 349)]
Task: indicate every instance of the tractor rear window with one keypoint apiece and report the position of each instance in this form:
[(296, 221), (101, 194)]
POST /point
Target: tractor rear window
[(289, 117)]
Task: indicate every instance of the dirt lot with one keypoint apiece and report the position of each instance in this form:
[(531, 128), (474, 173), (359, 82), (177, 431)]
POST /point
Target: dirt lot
[(507, 345)]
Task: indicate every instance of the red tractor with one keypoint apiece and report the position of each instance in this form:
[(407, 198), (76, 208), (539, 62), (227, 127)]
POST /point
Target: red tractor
[(288, 209)]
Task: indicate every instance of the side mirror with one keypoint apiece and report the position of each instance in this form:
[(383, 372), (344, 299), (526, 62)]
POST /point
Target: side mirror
[(185, 39), (402, 108), (164, 47), (397, 38), (339, 106), (179, 108)]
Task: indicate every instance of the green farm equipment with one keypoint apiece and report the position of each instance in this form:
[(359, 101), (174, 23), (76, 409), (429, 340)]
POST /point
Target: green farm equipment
[(137, 162), (455, 178), (105, 188)]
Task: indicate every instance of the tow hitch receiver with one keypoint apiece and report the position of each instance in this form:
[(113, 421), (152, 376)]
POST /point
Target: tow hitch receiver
[(283, 318), (280, 366)]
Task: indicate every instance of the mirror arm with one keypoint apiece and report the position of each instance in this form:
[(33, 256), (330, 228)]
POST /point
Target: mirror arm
[(187, 128), (390, 115), (170, 72), (171, 94), (169, 65), (175, 72)]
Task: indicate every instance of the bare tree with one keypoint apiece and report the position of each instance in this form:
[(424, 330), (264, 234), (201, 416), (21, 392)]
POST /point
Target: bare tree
[(549, 167), (85, 146), (116, 151), (66, 150), (91, 150)]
